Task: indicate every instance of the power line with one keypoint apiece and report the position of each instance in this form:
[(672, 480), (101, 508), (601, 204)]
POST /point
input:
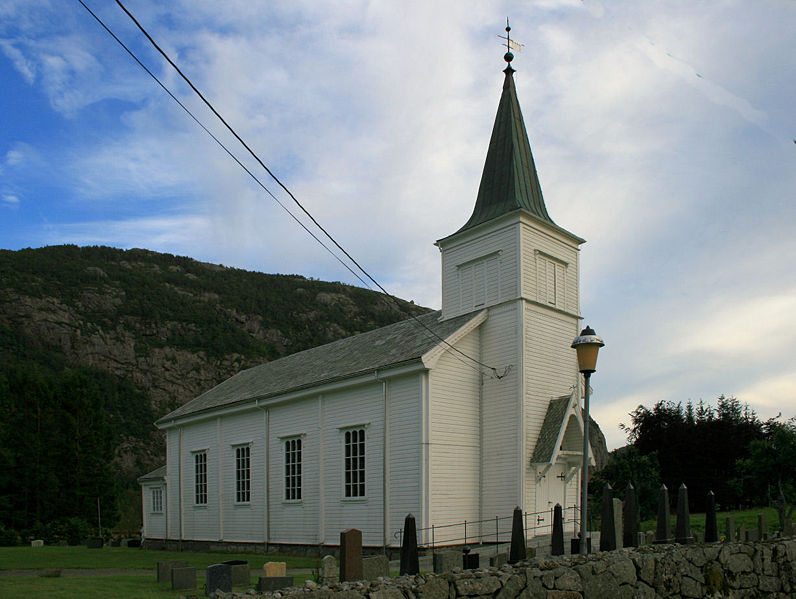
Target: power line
[(221, 144), (274, 177)]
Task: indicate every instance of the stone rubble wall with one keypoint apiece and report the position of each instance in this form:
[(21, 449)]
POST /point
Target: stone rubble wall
[(728, 570)]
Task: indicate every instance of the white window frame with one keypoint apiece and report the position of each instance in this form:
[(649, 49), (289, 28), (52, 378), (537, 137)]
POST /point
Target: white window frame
[(243, 473), (157, 500), (354, 479), (200, 478), (293, 452)]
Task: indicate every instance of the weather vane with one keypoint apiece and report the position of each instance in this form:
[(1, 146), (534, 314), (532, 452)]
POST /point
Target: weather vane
[(510, 43)]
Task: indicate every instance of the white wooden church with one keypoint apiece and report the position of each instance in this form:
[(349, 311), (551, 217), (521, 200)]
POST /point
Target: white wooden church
[(363, 431)]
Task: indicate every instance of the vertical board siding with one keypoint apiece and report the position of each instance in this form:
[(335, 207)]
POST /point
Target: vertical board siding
[(154, 522), (550, 371), (243, 522), (295, 521), (500, 270), (454, 441), (355, 406), (172, 499), (499, 343), (405, 452), (200, 521)]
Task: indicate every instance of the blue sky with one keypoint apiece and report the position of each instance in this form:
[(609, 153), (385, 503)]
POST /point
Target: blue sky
[(662, 133)]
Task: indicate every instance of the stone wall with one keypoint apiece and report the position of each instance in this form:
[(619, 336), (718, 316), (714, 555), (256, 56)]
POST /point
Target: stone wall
[(731, 570)]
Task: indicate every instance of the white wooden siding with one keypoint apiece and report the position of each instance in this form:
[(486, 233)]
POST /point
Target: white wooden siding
[(154, 522), (501, 404), (200, 521), (405, 436), (361, 405), (172, 500), (560, 273), (295, 521), (491, 259), (242, 522), (454, 443), (550, 371)]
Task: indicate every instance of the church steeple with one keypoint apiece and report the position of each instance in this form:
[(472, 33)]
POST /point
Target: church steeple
[(509, 181)]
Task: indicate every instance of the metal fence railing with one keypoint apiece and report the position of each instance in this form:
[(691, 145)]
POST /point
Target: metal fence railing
[(491, 530)]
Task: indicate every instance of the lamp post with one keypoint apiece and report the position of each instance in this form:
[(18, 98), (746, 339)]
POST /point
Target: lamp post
[(586, 345)]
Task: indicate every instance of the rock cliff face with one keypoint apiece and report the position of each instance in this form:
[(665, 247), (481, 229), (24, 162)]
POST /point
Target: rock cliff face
[(172, 326)]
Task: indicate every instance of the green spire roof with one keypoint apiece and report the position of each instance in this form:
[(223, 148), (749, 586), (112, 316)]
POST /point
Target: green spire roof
[(509, 181)]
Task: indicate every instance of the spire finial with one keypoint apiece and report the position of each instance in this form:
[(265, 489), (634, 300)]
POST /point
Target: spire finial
[(510, 45)]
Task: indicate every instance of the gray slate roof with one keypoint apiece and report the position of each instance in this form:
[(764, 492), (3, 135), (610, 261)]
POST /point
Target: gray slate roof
[(551, 427), (157, 474), (389, 346)]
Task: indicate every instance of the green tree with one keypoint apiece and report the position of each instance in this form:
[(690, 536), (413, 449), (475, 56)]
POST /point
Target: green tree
[(771, 467), (627, 465)]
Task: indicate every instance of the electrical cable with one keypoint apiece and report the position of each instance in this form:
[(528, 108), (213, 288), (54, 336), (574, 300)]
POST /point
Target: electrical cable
[(221, 144), (493, 370)]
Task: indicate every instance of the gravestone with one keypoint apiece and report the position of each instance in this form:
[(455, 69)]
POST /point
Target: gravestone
[(762, 527), (351, 555), (37, 543), (183, 578), (699, 536), (240, 572), (218, 577), (618, 532), (329, 571), (729, 529), (631, 518), (787, 528), (497, 560), (607, 528), (445, 561), (711, 526), (94, 543), (574, 545), (165, 568), (410, 560), (558, 531), (663, 533), (683, 527), (116, 542), (374, 567), (752, 536), (273, 583), (741, 534), (517, 551), (277, 568), (470, 561)]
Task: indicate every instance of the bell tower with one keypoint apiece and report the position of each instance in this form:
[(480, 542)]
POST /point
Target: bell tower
[(512, 260)]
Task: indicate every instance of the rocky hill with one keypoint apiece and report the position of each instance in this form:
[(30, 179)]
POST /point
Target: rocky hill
[(165, 328)]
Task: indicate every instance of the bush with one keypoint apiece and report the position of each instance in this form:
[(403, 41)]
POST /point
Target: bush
[(8, 537)]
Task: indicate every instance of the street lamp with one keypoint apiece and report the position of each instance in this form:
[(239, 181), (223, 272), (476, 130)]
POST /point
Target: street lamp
[(586, 345)]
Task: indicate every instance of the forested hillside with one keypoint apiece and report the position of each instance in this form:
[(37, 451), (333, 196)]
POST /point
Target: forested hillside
[(96, 343)]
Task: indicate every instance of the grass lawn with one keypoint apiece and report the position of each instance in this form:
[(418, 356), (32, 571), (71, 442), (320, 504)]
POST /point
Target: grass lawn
[(43, 558), (747, 518), (121, 586)]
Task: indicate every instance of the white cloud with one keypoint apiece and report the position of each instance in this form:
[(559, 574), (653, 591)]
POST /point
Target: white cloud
[(10, 199)]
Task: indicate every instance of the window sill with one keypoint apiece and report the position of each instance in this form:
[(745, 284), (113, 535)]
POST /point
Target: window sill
[(354, 499), (292, 501)]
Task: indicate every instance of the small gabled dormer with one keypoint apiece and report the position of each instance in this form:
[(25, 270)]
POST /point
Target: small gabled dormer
[(510, 247)]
